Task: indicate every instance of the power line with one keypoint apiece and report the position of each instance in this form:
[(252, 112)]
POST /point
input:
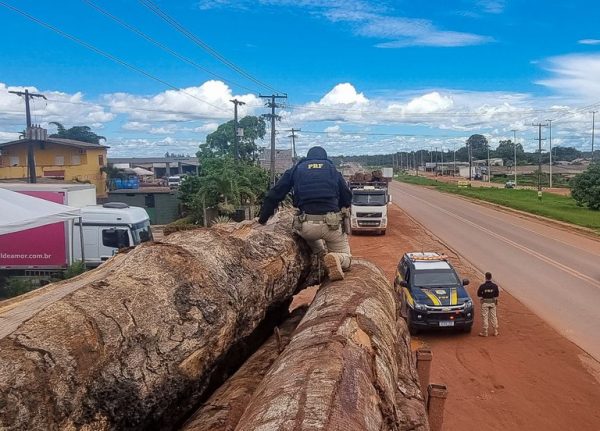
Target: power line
[(162, 45), (105, 54), (195, 39)]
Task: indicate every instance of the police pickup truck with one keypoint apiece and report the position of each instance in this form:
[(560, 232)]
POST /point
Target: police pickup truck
[(431, 294)]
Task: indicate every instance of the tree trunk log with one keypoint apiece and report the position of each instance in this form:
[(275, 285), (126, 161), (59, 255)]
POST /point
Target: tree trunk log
[(144, 346), (348, 366), (224, 408)]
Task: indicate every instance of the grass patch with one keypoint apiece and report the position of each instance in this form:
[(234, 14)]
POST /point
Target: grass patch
[(562, 208)]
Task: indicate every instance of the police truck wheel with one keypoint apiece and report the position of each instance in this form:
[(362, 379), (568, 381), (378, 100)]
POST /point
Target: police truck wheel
[(467, 328)]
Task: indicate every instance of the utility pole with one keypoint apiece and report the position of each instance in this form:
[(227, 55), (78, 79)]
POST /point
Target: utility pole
[(30, 155), (470, 161), (539, 178), (293, 136), (593, 130), (236, 103), (515, 161), (272, 117), (489, 168), (416, 164), (442, 148), (454, 161), (550, 125)]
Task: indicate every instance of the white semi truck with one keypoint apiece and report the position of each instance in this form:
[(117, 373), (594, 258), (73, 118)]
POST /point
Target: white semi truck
[(369, 209), (52, 248)]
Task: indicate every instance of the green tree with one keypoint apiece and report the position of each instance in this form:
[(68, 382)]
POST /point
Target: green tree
[(565, 153), (221, 142), (585, 187), (479, 146), (506, 150), (223, 183), (77, 133)]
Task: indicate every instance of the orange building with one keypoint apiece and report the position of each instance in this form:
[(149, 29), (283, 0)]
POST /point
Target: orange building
[(56, 159)]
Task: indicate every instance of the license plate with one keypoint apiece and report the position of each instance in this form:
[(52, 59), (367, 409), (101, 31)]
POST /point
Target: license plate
[(447, 323)]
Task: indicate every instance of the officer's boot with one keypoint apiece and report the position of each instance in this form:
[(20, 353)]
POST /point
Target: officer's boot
[(483, 333), (334, 267)]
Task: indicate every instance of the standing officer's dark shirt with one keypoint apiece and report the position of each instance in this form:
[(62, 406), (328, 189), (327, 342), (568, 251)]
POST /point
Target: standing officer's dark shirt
[(488, 290)]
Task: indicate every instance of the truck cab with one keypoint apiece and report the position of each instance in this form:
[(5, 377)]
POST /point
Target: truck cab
[(109, 227), (369, 208)]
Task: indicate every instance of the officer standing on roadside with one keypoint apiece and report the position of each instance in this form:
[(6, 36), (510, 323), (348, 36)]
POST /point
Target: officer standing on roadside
[(320, 193), (488, 292)]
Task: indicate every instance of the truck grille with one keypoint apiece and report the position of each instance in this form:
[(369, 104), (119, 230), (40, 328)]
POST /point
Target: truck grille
[(368, 215), (368, 223)]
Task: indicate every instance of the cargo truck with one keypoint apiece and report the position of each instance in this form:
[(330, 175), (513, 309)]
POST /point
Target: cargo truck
[(52, 248), (370, 199)]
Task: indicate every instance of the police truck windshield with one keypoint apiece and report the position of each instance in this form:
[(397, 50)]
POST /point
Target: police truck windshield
[(435, 278), (371, 199)]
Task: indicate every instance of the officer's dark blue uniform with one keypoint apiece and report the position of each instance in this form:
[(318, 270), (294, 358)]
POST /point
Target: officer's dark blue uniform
[(318, 190), (318, 187)]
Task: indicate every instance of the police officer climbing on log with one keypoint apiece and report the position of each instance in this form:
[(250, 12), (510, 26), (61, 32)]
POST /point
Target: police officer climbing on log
[(323, 199)]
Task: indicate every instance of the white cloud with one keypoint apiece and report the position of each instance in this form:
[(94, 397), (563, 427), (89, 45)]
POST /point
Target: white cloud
[(574, 75), (123, 147), (207, 128), (343, 94), (378, 20), (333, 129), (492, 6), (425, 104), (135, 125), (405, 32), (211, 100), (9, 136), (68, 109), (589, 41)]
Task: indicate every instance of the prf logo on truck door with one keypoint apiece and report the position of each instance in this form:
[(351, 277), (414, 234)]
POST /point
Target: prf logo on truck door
[(315, 165)]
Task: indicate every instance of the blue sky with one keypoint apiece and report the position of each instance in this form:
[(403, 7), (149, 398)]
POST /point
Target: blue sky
[(429, 72)]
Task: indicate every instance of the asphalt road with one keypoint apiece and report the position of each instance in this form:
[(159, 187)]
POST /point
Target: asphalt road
[(553, 271)]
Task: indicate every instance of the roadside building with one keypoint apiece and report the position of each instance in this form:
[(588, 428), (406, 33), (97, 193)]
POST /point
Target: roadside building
[(56, 160), (160, 203), (283, 159), (161, 167)]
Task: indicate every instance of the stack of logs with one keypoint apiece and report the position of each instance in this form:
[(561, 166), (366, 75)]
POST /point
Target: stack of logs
[(153, 345)]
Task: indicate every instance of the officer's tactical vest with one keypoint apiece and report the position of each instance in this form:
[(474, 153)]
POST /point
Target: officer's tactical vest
[(315, 180)]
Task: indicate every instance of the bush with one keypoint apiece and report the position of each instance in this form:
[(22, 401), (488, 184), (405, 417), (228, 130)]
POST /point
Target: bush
[(15, 286), (585, 187), (76, 268)]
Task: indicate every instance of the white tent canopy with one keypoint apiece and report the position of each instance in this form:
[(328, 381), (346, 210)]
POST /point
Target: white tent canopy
[(20, 212), (142, 171)]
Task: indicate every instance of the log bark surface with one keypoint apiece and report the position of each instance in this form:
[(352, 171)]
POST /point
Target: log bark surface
[(224, 408), (348, 366), (140, 348)]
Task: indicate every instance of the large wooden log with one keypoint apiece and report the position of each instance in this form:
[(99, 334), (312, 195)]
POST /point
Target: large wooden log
[(224, 408), (348, 366), (142, 347)]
